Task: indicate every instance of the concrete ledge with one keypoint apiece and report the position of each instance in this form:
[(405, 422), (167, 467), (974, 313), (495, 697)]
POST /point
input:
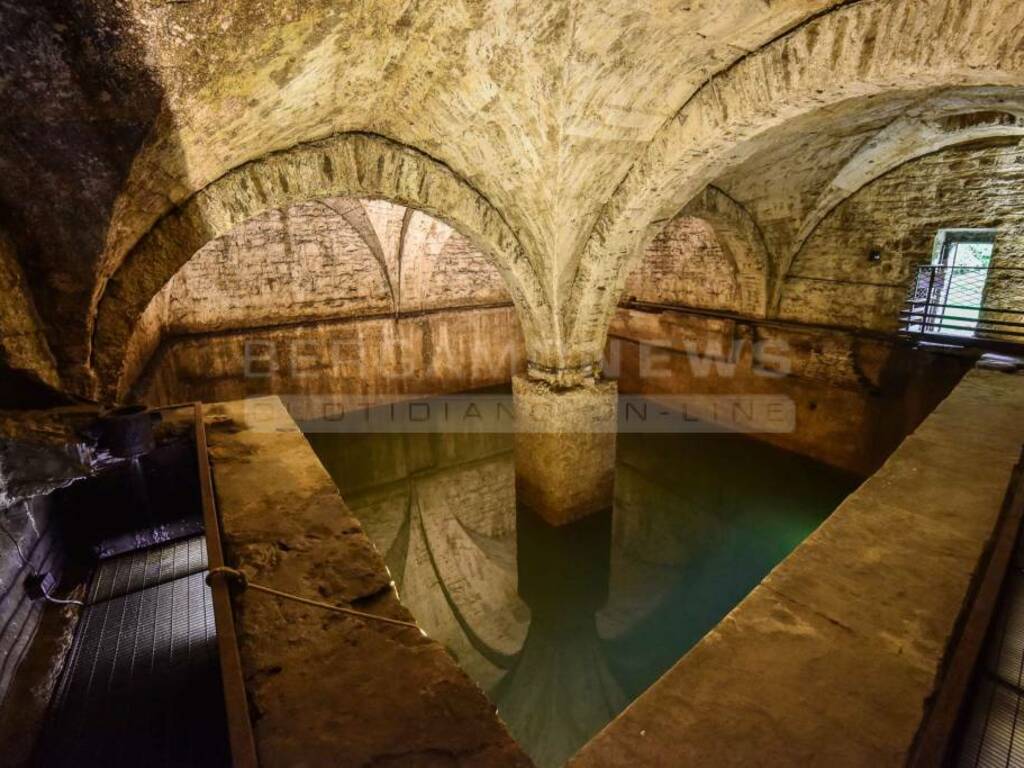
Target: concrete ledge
[(326, 689), (834, 658)]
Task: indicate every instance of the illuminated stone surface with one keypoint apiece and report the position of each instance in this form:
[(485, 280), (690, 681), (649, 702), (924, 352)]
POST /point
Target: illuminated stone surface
[(328, 689), (564, 448), (834, 658)]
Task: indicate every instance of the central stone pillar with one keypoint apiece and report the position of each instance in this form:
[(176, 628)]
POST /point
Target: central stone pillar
[(564, 448)]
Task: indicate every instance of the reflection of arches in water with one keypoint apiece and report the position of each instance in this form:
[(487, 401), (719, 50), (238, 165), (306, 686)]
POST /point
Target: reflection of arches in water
[(479, 590), (463, 560), (449, 539), (523, 607), (564, 626)]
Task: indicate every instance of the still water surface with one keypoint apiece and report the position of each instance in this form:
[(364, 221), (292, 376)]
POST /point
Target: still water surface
[(564, 627)]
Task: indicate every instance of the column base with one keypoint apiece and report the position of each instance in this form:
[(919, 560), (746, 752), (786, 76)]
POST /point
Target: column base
[(565, 448)]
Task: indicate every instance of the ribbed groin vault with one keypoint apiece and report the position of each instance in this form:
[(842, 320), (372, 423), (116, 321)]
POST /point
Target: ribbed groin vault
[(559, 137), (752, 271)]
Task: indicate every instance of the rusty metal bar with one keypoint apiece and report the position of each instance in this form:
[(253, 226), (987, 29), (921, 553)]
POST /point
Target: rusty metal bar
[(240, 734), (928, 301)]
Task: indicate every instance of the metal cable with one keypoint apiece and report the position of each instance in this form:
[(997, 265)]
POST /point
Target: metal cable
[(27, 564), (242, 582)]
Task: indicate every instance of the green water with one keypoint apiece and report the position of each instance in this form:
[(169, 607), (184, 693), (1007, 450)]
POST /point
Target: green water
[(564, 627)]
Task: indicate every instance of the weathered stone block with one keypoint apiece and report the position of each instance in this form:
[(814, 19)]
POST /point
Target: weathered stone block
[(325, 689), (564, 448)]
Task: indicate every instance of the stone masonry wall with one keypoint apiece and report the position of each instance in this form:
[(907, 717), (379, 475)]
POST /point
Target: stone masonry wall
[(298, 263), (832, 281), (379, 359), (29, 533), (855, 396), (322, 260), (441, 268), (326, 689), (685, 265)]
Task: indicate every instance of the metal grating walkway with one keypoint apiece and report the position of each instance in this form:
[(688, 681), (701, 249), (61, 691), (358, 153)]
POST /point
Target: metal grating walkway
[(994, 730), (142, 684), (118, 576)]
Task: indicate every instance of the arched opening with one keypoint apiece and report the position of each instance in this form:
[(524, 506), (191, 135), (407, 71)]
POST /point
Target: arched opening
[(747, 500), (864, 58), (342, 297), (835, 299), (360, 165)]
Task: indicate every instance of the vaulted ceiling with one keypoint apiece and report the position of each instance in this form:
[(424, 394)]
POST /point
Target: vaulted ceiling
[(560, 135)]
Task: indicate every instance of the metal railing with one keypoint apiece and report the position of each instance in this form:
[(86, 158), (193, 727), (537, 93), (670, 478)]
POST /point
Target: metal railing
[(964, 303), (236, 701)]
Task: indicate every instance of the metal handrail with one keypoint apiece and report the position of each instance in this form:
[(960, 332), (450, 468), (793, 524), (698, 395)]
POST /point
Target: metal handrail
[(236, 703), (940, 295), (918, 302), (930, 316), (933, 267)]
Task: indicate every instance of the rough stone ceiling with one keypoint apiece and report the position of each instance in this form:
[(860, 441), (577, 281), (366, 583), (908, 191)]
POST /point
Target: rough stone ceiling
[(800, 173), (574, 121), (540, 106)]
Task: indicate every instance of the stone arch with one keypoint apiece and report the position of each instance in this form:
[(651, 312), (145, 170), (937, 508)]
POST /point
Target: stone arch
[(741, 239), (901, 142), (286, 280), (352, 165), (863, 49)]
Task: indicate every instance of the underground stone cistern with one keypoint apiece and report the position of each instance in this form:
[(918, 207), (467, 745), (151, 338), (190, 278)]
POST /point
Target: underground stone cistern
[(563, 625), (186, 182)]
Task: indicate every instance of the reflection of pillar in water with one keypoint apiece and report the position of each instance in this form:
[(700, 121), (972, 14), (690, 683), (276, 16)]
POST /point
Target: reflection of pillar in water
[(560, 691)]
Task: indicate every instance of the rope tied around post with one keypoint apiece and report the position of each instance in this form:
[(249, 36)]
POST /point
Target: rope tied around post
[(241, 582)]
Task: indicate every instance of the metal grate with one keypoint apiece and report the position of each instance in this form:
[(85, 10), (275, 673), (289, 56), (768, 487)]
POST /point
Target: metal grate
[(994, 732), (994, 737), (142, 685), (118, 576)]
